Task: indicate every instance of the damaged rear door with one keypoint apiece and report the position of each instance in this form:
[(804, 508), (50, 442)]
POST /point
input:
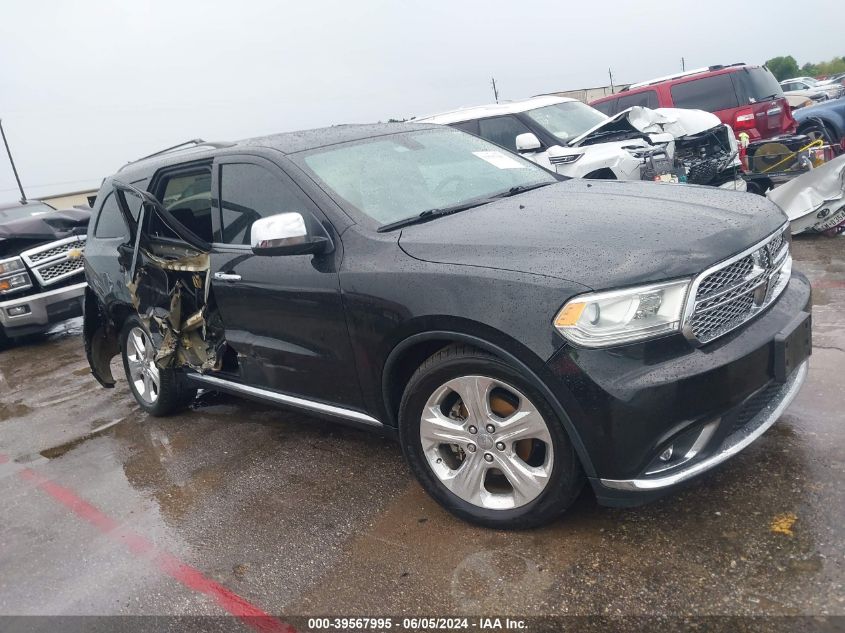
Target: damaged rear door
[(166, 271)]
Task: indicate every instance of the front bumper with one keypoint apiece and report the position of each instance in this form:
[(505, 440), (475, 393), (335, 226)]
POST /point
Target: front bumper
[(733, 443), (629, 404), (42, 309)]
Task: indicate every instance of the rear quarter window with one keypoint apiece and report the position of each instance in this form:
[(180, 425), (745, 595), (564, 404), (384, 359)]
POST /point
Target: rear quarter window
[(110, 222), (645, 99), (707, 93)]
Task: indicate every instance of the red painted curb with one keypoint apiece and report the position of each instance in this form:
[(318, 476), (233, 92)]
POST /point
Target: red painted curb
[(164, 561)]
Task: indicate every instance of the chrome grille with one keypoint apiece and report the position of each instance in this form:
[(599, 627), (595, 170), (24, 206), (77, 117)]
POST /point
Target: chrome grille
[(725, 277), (50, 263), (51, 252), (735, 291)]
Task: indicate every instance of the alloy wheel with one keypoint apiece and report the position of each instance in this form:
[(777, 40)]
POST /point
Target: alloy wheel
[(486, 442), (143, 373)]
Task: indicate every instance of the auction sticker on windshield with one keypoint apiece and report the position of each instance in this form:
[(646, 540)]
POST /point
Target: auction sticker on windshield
[(500, 160)]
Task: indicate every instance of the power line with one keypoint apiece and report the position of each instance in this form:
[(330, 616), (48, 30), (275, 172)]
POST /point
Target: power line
[(54, 184)]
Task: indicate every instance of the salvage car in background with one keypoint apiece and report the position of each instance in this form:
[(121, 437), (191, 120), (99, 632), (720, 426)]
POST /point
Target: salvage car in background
[(514, 331), (824, 121), (797, 101), (578, 141), (814, 202), (744, 96), (838, 78), (41, 267), (809, 87)]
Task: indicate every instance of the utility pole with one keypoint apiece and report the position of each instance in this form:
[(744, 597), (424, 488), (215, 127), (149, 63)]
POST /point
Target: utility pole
[(610, 74), (495, 90), (11, 160), (683, 65)]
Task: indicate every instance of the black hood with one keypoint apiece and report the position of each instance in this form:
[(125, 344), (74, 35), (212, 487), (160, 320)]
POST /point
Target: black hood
[(601, 234), (24, 233)]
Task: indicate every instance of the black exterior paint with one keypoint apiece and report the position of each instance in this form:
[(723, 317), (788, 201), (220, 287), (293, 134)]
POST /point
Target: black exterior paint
[(339, 327), (601, 234)]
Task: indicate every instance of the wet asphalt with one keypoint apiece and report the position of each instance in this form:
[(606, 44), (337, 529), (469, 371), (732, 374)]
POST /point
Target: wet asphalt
[(105, 508)]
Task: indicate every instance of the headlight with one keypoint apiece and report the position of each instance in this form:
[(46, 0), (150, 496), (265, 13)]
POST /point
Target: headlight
[(603, 319), (10, 265), (10, 278), (564, 159), (15, 282)]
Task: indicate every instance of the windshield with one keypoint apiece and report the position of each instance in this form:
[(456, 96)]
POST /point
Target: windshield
[(390, 178), (25, 211), (567, 120)]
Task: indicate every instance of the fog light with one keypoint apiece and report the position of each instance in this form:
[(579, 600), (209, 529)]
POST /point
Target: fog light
[(17, 310), (666, 455)]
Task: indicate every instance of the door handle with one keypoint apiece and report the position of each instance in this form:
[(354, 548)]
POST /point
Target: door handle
[(227, 277)]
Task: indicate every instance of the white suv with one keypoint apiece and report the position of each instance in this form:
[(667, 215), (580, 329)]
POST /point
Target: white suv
[(576, 140), (811, 88)]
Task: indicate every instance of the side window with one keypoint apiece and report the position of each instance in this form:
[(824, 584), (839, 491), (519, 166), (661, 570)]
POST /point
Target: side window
[(708, 93), (646, 99), (187, 196), (502, 130), (110, 222), (249, 192), (607, 107)]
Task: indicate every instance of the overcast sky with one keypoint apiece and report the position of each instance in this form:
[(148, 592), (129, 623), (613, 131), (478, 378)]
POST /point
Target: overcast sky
[(87, 85)]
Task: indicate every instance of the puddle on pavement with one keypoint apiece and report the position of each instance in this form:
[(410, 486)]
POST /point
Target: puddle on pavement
[(61, 449), (10, 410)]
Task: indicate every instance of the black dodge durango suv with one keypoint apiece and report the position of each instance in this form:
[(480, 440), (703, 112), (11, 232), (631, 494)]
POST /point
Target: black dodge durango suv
[(517, 332)]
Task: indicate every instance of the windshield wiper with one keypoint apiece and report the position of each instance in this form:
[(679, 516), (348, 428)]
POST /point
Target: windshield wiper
[(431, 214), (771, 97), (521, 189)]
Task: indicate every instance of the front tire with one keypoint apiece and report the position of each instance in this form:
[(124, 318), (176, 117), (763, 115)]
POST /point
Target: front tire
[(158, 391), (818, 131), (485, 443)]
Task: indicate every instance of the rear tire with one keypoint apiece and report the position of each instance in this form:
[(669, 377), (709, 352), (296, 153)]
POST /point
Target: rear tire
[(484, 442), (157, 391)]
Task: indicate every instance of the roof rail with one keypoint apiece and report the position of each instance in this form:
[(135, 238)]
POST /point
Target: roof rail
[(192, 144), (687, 73)]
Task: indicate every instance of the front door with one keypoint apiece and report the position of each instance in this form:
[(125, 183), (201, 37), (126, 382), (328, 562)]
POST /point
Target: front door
[(282, 315)]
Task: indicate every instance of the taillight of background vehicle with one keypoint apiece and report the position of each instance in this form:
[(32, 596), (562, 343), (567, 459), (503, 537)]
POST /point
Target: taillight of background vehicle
[(744, 121)]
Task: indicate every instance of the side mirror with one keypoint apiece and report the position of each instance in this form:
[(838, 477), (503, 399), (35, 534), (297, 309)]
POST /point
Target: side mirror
[(527, 142), (285, 234)]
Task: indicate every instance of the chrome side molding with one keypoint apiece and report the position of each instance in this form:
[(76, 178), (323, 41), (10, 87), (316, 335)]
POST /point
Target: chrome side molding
[(285, 399)]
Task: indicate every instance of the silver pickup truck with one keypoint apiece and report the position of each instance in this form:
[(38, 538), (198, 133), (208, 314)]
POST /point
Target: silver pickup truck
[(41, 267)]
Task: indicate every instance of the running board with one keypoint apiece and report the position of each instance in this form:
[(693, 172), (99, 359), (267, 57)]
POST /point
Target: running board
[(284, 399)]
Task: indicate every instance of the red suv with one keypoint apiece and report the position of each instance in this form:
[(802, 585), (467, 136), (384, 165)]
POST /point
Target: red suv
[(748, 98)]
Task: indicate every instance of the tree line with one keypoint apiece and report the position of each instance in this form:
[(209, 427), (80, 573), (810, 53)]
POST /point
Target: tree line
[(787, 68)]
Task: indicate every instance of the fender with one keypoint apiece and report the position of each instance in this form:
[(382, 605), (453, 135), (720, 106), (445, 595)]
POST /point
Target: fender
[(831, 117), (487, 346)]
